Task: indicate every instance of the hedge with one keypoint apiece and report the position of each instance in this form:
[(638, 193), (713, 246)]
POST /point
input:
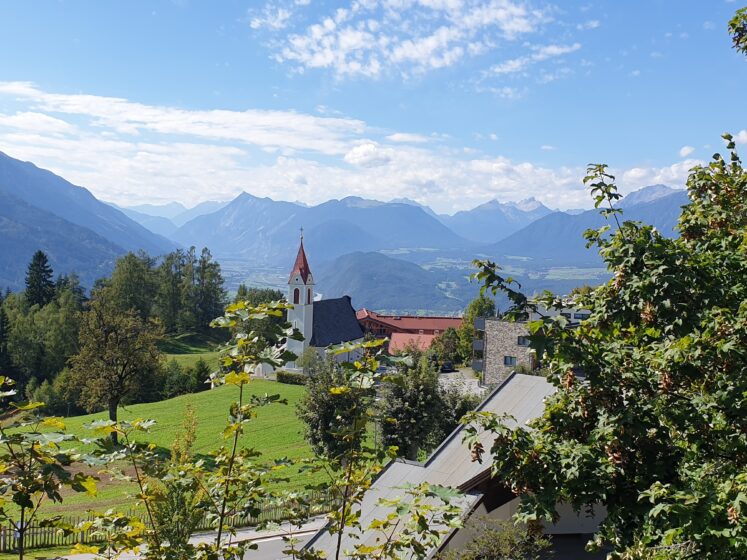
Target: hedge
[(291, 377)]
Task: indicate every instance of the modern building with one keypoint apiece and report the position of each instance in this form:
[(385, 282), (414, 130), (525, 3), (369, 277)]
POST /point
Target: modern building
[(322, 322), (520, 397), (405, 330), (503, 346)]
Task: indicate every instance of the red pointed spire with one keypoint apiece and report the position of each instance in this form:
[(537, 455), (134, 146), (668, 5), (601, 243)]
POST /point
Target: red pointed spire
[(301, 266)]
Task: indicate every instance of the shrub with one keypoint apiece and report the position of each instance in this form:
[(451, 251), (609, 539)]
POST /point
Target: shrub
[(291, 377)]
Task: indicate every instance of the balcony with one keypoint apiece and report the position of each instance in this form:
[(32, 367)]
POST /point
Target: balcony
[(480, 323), (477, 365), (478, 345)]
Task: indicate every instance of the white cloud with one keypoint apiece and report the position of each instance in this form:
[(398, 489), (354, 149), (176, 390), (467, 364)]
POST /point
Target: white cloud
[(539, 54), (591, 24), (271, 17), (127, 152), (408, 138), (375, 37), (686, 151), (548, 148), (35, 122), (741, 137), (261, 128)]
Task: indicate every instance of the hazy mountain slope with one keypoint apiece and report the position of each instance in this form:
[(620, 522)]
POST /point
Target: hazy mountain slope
[(169, 210), (380, 282), (265, 231), (201, 209), (495, 220), (557, 239), (156, 224), (77, 205), (647, 194), (71, 248)]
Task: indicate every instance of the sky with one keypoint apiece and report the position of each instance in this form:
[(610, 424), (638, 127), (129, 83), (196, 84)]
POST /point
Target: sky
[(447, 102)]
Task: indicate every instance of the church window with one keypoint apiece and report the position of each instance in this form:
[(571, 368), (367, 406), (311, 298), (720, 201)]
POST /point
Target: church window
[(296, 296), (308, 295)]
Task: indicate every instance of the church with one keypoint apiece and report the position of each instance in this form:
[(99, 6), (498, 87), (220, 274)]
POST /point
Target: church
[(322, 322)]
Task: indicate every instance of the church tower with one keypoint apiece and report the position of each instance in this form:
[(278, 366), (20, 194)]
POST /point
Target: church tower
[(301, 295)]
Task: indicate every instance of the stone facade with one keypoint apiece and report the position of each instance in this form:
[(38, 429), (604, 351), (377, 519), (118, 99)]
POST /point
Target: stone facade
[(503, 350)]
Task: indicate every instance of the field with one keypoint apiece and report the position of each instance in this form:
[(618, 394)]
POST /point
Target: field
[(276, 432), (186, 349)]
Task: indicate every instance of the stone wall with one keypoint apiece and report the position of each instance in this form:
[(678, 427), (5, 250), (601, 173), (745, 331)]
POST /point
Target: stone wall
[(501, 340)]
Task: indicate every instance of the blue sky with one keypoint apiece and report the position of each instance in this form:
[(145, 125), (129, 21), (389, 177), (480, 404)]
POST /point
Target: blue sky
[(449, 102)]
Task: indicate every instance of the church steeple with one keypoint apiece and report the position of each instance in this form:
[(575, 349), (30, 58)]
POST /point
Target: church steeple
[(301, 266), (301, 295)]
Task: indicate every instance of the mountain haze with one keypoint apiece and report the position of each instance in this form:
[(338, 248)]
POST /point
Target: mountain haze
[(495, 220)]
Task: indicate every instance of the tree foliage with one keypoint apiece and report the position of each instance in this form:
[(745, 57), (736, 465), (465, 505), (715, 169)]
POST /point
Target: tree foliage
[(410, 410), (39, 283), (654, 430), (117, 356)]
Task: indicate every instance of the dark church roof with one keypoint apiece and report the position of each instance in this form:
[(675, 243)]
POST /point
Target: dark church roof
[(334, 322)]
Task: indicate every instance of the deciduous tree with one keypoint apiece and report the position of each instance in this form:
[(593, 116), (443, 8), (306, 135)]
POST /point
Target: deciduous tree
[(117, 356)]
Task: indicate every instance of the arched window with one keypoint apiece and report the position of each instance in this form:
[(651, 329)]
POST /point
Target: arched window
[(308, 295), (296, 296)]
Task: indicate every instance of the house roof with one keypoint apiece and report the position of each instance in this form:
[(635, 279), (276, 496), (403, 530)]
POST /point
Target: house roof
[(399, 342), (334, 322), (519, 396), (301, 266), (410, 322)]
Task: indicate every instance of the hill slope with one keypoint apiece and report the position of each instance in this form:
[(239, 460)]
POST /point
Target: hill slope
[(379, 282), (265, 231), (557, 239), (51, 193), (71, 248)]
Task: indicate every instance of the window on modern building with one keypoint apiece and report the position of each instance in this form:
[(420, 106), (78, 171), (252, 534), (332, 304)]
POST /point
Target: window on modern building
[(296, 296), (436, 332), (523, 341), (566, 315), (581, 316), (509, 360), (420, 331)]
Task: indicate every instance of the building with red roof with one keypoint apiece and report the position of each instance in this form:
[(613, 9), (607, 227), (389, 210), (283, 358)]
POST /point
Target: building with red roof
[(402, 330)]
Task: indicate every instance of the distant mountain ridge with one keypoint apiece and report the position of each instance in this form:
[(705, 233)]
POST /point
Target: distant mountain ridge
[(495, 220), (40, 210), (265, 231), (557, 239)]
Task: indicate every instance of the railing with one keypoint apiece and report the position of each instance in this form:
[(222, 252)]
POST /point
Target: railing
[(48, 537)]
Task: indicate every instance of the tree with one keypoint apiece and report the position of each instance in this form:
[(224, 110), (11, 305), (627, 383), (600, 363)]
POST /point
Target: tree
[(210, 295), (310, 361), (481, 306), (133, 284), (495, 539), (410, 409), (118, 355), (446, 346), (39, 284), (168, 300), (655, 430), (326, 412), (738, 30), (256, 296)]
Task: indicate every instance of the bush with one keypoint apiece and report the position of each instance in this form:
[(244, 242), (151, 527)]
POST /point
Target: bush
[(176, 380), (291, 377), (201, 376)]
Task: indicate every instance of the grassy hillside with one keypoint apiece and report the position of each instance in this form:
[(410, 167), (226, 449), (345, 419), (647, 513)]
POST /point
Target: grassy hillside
[(276, 432), (186, 349)]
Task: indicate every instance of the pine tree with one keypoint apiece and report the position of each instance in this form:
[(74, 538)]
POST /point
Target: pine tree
[(39, 284)]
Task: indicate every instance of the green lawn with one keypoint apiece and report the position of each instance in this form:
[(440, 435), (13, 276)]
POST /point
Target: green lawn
[(276, 432), (186, 349)]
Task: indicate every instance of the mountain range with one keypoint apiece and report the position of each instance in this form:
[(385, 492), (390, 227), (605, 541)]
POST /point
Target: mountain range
[(81, 234), (397, 255)]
